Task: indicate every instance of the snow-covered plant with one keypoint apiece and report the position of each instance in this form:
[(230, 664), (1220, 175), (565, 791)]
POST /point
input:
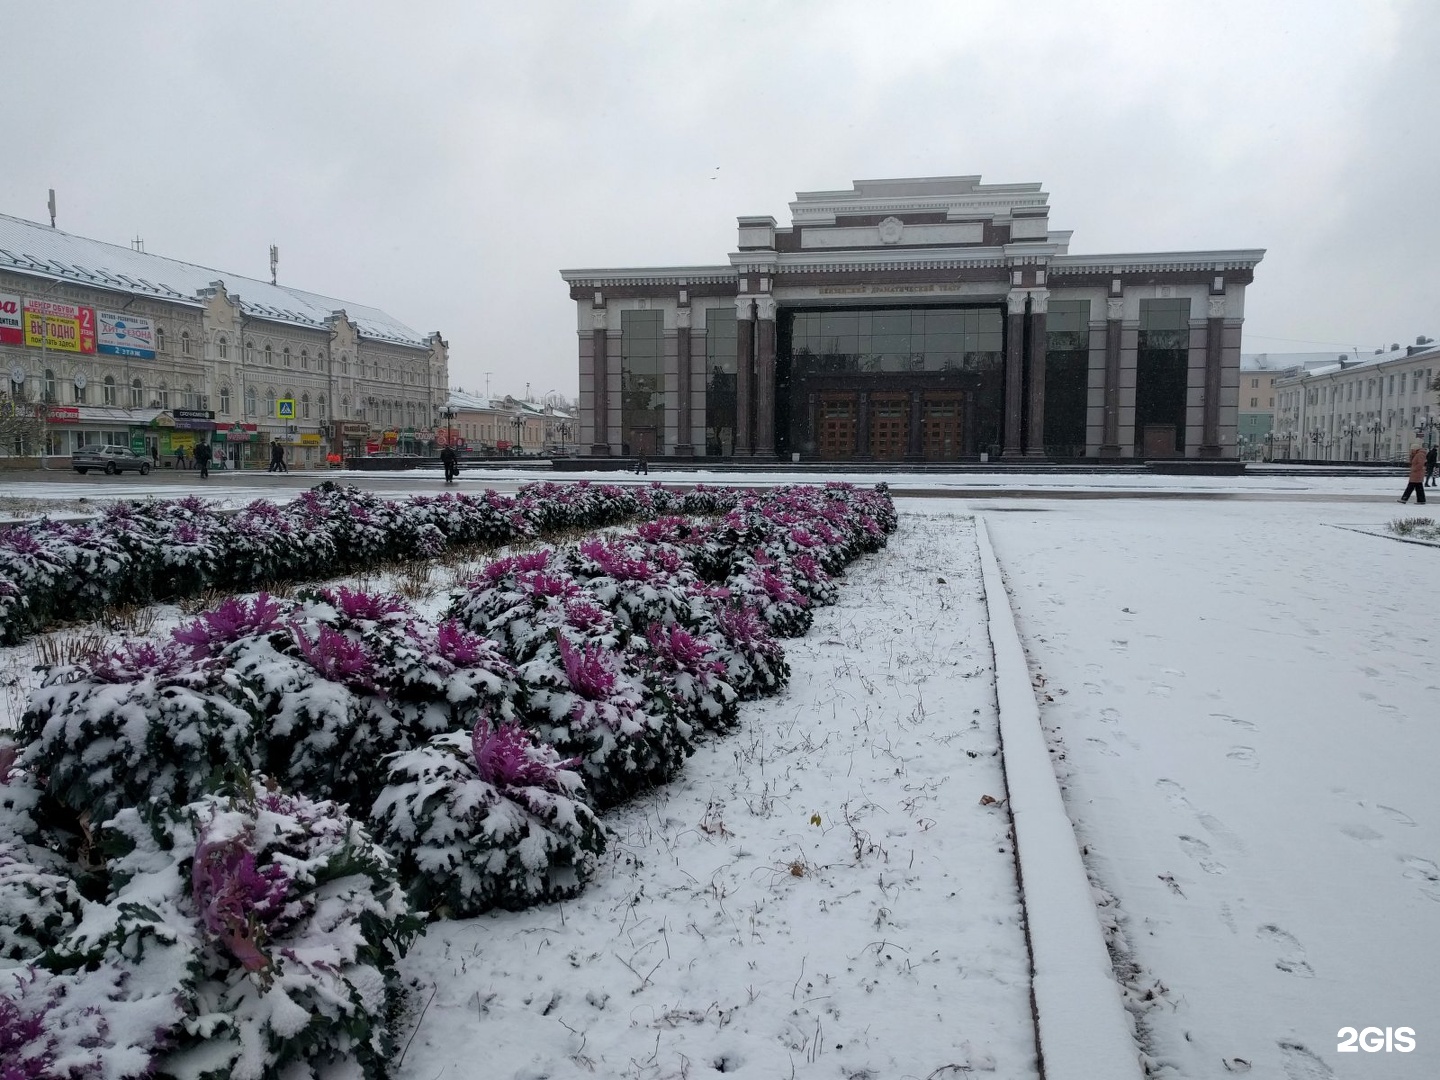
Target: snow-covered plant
[(590, 705), (492, 819), (38, 904), (139, 725), (763, 586), (690, 674), (278, 948), (757, 663), (643, 584)]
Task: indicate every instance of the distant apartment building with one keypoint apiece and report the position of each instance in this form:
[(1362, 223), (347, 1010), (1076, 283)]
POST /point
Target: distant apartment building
[(1363, 409)]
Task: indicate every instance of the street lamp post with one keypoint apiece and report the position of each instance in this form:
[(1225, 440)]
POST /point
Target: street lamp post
[(518, 423), (1374, 427), (1315, 437)]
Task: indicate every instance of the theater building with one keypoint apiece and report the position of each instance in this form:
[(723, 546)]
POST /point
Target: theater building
[(933, 319)]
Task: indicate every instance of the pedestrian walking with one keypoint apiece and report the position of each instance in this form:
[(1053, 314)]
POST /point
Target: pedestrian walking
[(202, 459), (1417, 475), (179, 457), (451, 462), (277, 458), (155, 454), (1430, 458), (643, 466)]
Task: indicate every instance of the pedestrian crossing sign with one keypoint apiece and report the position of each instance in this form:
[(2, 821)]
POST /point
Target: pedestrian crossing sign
[(285, 409)]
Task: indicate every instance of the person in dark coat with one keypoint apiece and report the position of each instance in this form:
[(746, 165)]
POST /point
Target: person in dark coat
[(1417, 476), (451, 461), (155, 454), (1430, 458), (277, 458), (202, 459), (179, 457)]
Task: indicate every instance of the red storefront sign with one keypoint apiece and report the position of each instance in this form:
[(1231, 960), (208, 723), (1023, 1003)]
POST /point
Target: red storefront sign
[(62, 414)]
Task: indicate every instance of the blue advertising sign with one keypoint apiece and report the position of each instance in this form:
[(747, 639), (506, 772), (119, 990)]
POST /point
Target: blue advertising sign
[(125, 335)]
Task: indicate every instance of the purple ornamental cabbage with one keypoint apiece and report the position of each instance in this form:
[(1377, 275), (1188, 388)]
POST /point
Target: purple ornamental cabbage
[(336, 657), (132, 661), (238, 902), (590, 669), (506, 757), (27, 1052), (360, 605), (230, 620)]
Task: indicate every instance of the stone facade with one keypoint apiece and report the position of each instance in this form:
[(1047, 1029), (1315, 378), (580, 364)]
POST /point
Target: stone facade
[(971, 330), (227, 350)]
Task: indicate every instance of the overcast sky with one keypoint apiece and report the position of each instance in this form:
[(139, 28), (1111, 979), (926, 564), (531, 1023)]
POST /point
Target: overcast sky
[(444, 161)]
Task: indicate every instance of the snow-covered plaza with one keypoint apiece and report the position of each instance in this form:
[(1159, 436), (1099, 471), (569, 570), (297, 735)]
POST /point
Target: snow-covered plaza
[(1237, 684)]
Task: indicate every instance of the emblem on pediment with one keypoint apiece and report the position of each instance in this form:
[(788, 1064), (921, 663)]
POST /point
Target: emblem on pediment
[(891, 229), (1216, 307)]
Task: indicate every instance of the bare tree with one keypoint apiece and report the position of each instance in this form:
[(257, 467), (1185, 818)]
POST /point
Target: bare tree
[(21, 422)]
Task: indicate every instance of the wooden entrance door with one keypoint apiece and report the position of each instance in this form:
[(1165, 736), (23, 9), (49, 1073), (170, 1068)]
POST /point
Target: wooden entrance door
[(942, 426), (835, 437), (889, 426)]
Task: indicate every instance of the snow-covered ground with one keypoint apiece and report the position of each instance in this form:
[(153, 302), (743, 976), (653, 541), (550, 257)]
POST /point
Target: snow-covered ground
[(829, 892), (1247, 703), (1243, 702)]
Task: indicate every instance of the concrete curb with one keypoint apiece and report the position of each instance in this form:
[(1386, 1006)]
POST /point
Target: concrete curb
[(1082, 1029)]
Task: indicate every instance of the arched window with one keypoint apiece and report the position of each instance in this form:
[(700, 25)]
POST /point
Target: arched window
[(185, 342), (250, 401), (162, 395), (269, 357), (108, 393), (305, 406), (270, 404), (286, 356), (249, 352), (225, 400), (159, 339), (304, 360), (80, 388), (324, 415), (344, 363), (224, 348), (137, 393), (49, 384)]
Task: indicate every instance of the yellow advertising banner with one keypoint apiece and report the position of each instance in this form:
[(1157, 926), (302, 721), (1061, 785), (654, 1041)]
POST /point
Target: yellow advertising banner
[(60, 333), (309, 440)]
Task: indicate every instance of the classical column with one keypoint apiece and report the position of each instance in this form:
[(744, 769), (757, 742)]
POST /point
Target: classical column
[(601, 418), (743, 381), (862, 427), (764, 376), (1014, 372), (683, 446), (1214, 352), (1035, 442), (1110, 439), (916, 449)]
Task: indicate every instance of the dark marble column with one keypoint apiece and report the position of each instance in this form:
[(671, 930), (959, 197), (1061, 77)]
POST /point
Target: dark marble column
[(1214, 354), (1035, 439), (765, 377), (744, 393), (601, 418), (916, 449), (1014, 373), (862, 427), (1110, 438), (683, 446)]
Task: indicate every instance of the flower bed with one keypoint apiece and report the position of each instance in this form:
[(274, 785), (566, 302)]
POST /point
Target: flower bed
[(227, 924)]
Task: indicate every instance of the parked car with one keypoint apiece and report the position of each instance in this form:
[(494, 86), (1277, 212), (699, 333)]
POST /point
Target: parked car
[(110, 459)]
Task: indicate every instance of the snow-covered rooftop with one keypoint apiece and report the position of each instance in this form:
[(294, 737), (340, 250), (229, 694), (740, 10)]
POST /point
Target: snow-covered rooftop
[(28, 247)]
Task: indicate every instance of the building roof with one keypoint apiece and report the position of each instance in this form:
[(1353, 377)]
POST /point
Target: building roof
[(28, 247), (459, 399), (1393, 356)]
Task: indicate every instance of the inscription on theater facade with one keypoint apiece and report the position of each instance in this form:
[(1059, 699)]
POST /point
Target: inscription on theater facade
[(870, 290)]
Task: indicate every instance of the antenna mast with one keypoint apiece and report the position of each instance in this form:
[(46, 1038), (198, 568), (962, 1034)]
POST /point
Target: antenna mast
[(274, 262), (52, 207)]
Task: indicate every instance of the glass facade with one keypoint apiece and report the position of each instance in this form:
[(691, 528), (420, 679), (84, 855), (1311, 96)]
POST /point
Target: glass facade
[(895, 339), (1067, 373), (1162, 361), (642, 366), (720, 381)]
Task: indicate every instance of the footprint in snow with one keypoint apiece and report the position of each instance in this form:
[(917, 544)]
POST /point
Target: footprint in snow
[(1363, 833), (1245, 755), (1289, 953), (1110, 716), (1160, 690), (1103, 747), (1395, 815), (1301, 1064), (1199, 850), (1246, 724), (1423, 871)]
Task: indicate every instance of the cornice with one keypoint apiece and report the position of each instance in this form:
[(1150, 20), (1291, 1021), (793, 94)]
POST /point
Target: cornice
[(1244, 259), (659, 275)]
